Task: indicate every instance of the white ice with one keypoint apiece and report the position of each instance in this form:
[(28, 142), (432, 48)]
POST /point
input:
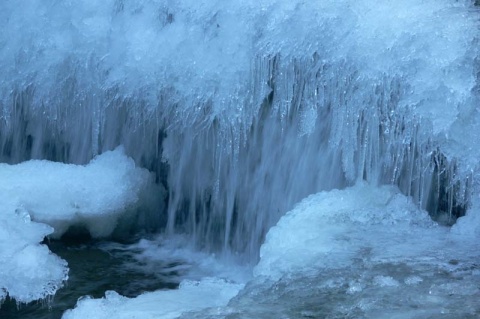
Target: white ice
[(331, 229), (95, 196), (28, 270), (41, 198)]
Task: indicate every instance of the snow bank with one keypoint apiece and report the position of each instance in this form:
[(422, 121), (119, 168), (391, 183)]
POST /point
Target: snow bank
[(62, 195), (191, 296), (41, 198)]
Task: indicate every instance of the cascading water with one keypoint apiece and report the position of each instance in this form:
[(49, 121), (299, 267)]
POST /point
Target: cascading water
[(244, 108)]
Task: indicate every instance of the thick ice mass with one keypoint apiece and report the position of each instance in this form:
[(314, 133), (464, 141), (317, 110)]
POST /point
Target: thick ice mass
[(361, 252), (41, 198)]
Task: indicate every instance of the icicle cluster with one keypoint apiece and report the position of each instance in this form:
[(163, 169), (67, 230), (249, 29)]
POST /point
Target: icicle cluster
[(244, 108)]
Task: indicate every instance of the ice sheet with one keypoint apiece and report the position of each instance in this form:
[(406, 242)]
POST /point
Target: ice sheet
[(363, 252)]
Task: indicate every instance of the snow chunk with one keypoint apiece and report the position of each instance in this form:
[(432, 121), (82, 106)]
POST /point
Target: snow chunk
[(413, 280), (28, 271), (61, 195)]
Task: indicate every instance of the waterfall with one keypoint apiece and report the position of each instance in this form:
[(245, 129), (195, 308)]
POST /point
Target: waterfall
[(243, 108)]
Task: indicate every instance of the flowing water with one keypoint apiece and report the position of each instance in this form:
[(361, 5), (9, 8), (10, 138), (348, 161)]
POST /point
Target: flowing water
[(242, 109), (95, 267)]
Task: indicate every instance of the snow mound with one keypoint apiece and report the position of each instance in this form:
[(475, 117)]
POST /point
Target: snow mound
[(331, 229), (62, 195)]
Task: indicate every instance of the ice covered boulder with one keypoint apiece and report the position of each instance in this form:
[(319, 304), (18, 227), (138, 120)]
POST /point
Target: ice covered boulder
[(94, 196)]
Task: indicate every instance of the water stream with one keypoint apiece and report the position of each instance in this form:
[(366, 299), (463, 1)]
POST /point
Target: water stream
[(94, 269)]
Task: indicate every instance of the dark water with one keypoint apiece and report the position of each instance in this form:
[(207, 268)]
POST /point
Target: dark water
[(93, 270)]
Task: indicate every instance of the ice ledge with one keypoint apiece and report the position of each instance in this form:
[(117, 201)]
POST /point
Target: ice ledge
[(62, 195)]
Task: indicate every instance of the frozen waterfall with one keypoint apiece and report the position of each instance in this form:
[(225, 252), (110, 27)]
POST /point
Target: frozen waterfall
[(241, 109)]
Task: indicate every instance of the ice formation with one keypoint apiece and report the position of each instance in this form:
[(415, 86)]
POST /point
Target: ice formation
[(362, 252), (94, 196), (331, 229), (243, 109), (28, 270), (42, 198)]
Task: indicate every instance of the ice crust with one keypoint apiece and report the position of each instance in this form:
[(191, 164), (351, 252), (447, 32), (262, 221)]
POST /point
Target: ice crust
[(363, 252), (41, 198)]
